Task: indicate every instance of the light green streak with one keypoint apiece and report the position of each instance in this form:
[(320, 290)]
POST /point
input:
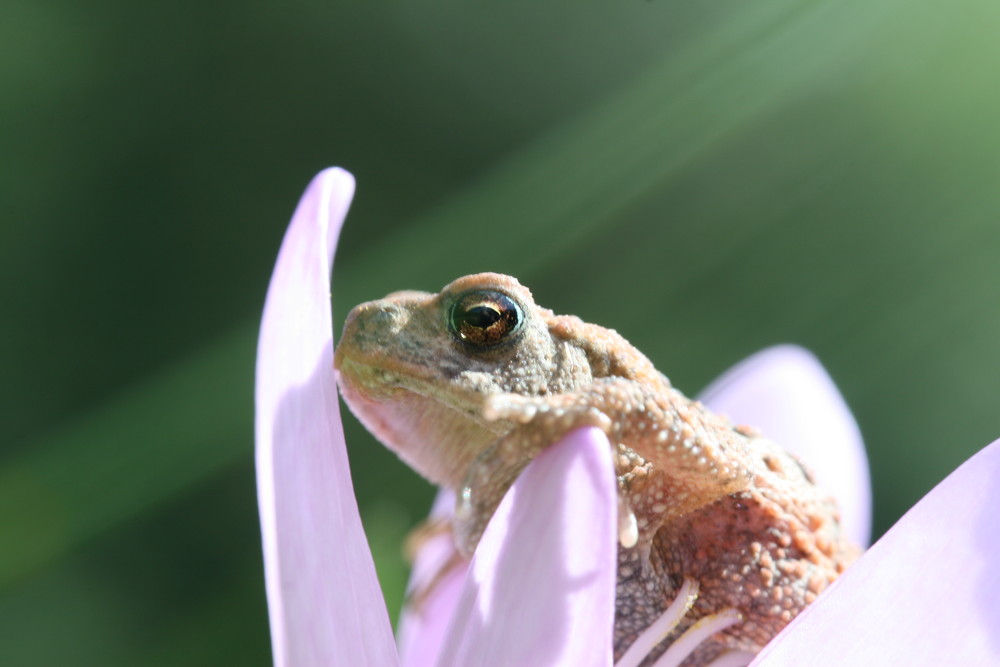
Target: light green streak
[(80, 480)]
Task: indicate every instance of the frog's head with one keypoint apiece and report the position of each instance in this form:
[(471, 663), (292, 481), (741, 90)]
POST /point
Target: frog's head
[(416, 367)]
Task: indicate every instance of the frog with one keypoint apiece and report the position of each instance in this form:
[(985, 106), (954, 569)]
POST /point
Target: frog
[(468, 385)]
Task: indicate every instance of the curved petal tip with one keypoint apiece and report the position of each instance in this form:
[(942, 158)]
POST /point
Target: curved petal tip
[(324, 602)]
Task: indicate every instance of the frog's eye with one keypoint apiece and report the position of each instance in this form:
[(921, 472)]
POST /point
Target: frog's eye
[(484, 318)]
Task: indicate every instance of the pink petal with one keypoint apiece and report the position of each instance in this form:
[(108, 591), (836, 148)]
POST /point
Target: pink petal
[(786, 393), (927, 593), (325, 604), (541, 589), (423, 626)]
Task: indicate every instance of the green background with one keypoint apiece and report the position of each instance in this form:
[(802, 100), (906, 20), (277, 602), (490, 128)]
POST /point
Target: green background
[(708, 178)]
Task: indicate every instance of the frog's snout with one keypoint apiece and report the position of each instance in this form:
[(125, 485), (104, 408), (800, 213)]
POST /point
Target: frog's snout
[(368, 326)]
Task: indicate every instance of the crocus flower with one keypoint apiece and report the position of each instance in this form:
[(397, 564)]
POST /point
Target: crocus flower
[(540, 588)]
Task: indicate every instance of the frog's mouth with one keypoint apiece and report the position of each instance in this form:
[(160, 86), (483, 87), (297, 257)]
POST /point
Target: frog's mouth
[(365, 380), (370, 380)]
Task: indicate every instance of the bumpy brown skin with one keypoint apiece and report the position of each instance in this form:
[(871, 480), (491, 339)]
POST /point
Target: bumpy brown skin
[(712, 502)]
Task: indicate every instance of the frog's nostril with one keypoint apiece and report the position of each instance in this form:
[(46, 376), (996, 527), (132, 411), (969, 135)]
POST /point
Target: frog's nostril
[(385, 317), (369, 323)]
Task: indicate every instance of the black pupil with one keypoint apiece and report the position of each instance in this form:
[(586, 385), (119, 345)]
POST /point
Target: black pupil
[(481, 316), (485, 318)]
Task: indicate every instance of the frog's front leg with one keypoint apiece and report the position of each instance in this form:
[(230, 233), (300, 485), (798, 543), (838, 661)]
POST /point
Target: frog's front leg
[(494, 471), (671, 455)]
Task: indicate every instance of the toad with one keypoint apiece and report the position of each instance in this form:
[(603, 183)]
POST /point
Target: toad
[(468, 385)]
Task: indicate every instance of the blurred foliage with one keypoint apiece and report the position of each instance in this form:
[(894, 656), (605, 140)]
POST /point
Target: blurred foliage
[(707, 178)]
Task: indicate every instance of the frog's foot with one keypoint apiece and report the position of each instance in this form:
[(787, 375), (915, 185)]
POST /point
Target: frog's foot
[(424, 587), (426, 531), (420, 594), (689, 640)]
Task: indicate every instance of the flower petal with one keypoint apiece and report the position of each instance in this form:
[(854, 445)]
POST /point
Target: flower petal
[(927, 593), (786, 393), (541, 586), (324, 601), (437, 577)]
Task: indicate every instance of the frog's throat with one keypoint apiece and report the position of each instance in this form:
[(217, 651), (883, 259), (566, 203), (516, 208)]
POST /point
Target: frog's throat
[(434, 438)]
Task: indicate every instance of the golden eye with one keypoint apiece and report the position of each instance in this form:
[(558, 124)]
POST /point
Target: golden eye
[(484, 318)]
